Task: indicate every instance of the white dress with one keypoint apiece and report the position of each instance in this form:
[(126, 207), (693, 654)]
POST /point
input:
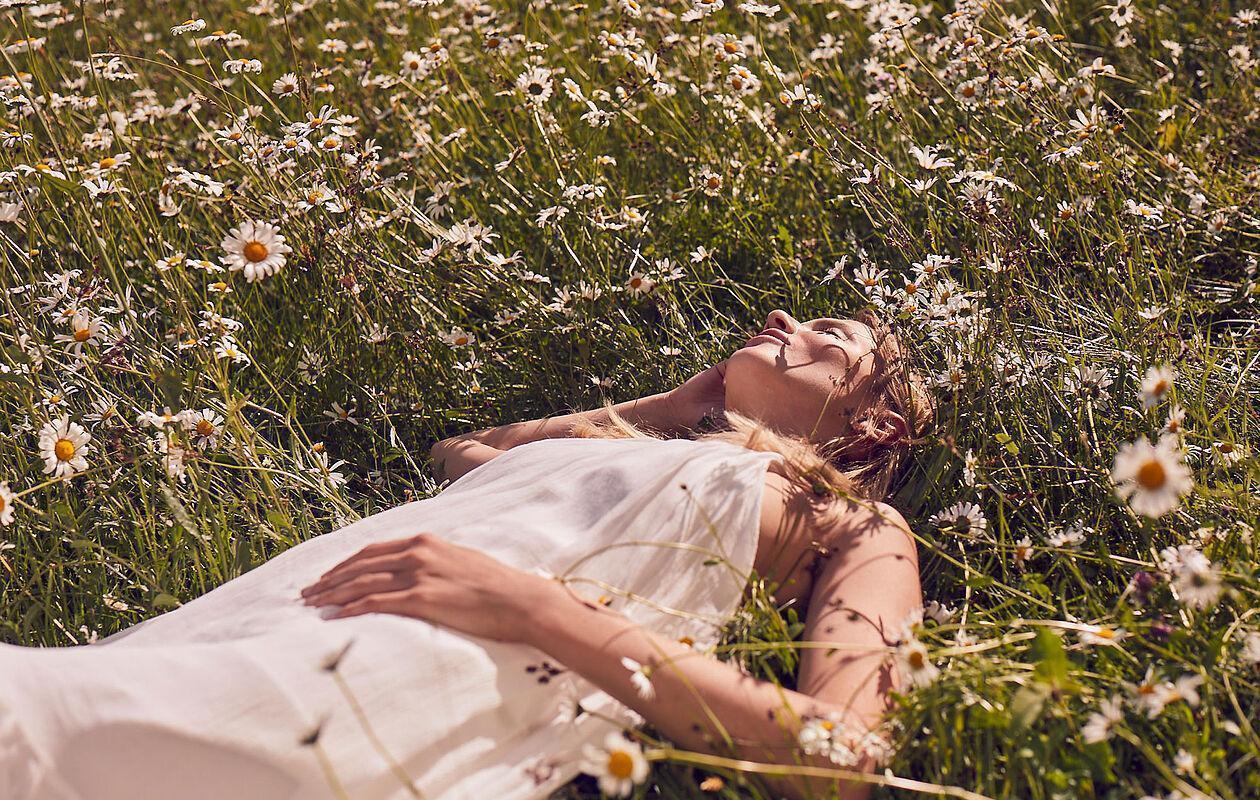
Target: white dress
[(215, 698)]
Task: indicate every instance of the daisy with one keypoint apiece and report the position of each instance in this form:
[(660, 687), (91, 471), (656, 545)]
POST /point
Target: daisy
[(1226, 454), (1098, 727), (825, 736), (1250, 651), (1023, 549), (1156, 385), (205, 426), (618, 766), (228, 348), (285, 86), (458, 337), (1102, 635), (256, 248), (927, 158), (535, 84), (641, 678), (1152, 478), (7, 507), (639, 283), (62, 444), (914, 663), (1197, 581), (965, 518), (1176, 417), (1184, 688), (86, 330)]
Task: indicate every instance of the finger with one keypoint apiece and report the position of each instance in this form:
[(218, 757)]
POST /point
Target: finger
[(391, 562), (378, 549), (353, 589), (388, 603)]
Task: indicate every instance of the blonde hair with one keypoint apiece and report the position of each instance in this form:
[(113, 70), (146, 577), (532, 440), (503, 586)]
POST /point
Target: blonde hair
[(844, 466)]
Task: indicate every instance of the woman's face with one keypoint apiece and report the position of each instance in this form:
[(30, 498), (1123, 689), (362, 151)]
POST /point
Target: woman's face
[(804, 378)]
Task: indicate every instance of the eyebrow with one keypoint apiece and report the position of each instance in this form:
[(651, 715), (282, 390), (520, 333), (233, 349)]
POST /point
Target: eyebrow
[(854, 324)]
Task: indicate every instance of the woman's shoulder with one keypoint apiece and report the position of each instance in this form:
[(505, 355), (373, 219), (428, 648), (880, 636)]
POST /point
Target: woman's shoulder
[(790, 503)]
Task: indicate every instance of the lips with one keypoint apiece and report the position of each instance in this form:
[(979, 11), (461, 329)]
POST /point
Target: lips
[(770, 334)]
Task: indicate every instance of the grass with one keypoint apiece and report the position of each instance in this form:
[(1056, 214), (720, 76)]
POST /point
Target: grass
[(1098, 213)]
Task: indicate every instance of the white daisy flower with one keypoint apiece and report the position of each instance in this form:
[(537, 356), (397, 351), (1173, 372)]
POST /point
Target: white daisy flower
[(640, 677), (1152, 478), (914, 663), (963, 518), (826, 736), (618, 766), (7, 505), (256, 248), (1098, 727), (1250, 651), (62, 444), (1156, 385), (1102, 635), (1197, 581), (458, 337)]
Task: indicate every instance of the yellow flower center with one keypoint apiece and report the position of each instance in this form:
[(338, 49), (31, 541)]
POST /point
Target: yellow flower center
[(911, 288), (314, 197), (635, 283), (64, 449), (42, 167), (107, 162), (3, 504), (828, 725), (1105, 633), (916, 659), (218, 286), (1151, 475), (713, 183), (255, 251), (730, 47), (82, 335), (620, 764), (461, 340), (205, 427), (969, 91)]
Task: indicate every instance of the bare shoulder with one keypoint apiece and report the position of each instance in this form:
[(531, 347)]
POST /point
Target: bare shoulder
[(789, 506)]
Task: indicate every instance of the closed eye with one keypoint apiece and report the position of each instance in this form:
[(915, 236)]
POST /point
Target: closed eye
[(839, 333)]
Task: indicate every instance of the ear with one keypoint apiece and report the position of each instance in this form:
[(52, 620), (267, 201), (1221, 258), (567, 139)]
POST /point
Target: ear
[(882, 426)]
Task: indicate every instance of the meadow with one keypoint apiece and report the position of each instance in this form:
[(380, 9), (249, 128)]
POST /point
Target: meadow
[(257, 258)]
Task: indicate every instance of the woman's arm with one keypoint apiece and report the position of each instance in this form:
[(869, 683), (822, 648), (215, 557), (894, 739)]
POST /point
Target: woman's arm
[(654, 411), (861, 595), (672, 413)]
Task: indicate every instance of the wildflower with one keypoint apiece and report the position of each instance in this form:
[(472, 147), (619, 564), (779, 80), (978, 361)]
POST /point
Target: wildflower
[(939, 612), (640, 676), (1102, 635), (1023, 549), (1152, 478), (1196, 580), (826, 736), (458, 337), (535, 84), (188, 26), (1098, 727), (1250, 650), (1226, 454), (7, 507), (1156, 385), (204, 426), (639, 283), (285, 86), (86, 330), (340, 413), (965, 518), (914, 663), (62, 444), (256, 248), (927, 158), (618, 766), (227, 348), (1070, 536)]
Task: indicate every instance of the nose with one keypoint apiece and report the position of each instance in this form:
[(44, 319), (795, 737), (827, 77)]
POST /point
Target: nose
[(782, 320)]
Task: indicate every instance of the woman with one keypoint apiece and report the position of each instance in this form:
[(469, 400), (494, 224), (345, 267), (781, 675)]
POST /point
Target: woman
[(486, 641)]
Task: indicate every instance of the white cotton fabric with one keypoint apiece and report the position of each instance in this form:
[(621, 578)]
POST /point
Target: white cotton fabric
[(211, 700)]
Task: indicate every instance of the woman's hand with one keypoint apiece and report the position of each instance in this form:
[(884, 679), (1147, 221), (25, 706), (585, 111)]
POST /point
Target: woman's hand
[(429, 578), (701, 394)]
